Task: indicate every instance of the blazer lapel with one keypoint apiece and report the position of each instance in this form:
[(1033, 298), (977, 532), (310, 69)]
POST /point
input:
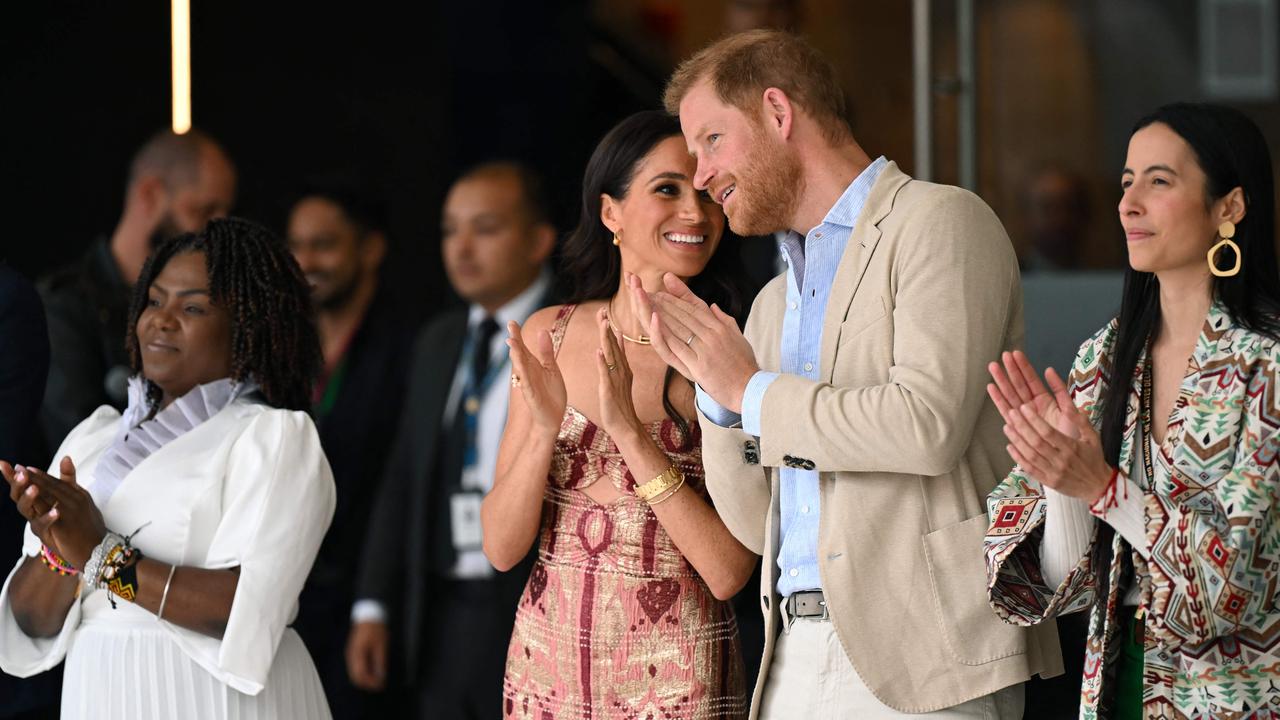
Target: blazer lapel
[(429, 407), (857, 254)]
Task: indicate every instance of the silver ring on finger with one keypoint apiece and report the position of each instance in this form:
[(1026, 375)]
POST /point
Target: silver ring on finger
[(689, 340)]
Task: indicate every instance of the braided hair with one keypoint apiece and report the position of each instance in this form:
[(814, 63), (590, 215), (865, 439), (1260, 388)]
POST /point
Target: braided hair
[(252, 276)]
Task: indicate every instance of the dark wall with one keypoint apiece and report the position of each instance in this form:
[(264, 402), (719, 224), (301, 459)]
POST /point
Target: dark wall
[(405, 94)]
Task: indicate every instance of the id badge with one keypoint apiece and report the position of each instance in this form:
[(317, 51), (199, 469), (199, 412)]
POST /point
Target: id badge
[(464, 512)]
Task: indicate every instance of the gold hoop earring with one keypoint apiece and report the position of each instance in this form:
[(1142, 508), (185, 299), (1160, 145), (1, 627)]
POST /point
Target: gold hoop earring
[(617, 238), (1226, 231)]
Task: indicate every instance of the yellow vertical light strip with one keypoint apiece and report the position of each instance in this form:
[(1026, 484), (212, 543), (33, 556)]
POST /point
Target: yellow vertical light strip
[(181, 11)]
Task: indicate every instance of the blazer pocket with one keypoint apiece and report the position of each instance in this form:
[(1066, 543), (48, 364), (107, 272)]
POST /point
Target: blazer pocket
[(975, 635), (853, 325)]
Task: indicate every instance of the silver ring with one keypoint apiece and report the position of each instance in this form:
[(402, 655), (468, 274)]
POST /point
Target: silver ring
[(690, 340)]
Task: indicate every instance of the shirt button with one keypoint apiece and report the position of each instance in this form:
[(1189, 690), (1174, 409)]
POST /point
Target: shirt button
[(817, 235), (794, 306), (794, 572), (808, 367), (805, 509)]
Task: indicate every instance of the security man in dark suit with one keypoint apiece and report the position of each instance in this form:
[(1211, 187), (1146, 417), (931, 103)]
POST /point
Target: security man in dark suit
[(429, 607)]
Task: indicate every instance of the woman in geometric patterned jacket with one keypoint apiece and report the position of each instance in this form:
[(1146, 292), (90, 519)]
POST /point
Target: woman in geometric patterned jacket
[(1146, 488)]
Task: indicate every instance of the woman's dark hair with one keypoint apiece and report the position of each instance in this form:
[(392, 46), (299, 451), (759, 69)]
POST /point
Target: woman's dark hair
[(1232, 152), (253, 276), (590, 262)]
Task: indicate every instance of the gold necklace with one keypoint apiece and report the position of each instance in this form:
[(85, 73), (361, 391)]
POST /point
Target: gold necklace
[(642, 340)]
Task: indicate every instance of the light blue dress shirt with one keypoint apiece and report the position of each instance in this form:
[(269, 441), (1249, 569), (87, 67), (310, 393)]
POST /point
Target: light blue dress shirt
[(812, 260)]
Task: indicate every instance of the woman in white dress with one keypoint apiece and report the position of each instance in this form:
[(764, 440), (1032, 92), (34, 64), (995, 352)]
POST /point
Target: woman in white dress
[(164, 556)]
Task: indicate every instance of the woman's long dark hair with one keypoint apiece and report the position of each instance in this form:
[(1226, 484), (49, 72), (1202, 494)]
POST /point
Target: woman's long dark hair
[(592, 265), (253, 276), (1232, 152)]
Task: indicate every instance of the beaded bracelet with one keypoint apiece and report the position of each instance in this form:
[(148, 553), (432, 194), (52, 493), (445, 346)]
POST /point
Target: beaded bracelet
[(56, 562), (120, 573)]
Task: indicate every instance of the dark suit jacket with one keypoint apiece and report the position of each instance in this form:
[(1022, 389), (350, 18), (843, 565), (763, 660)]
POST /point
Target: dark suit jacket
[(88, 306), (396, 561), (24, 364), (356, 434)]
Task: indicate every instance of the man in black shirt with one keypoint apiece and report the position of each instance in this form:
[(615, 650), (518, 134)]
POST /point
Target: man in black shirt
[(336, 233), (176, 184)]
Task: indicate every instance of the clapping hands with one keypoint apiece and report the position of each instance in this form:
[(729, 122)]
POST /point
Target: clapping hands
[(1049, 437), (62, 514)]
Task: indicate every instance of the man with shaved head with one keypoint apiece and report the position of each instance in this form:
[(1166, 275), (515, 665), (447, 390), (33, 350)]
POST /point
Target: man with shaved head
[(176, 184)]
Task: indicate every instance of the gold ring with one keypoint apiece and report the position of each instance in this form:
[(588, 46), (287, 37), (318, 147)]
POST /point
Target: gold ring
[(690, 340), (611, 367), (515, 380)]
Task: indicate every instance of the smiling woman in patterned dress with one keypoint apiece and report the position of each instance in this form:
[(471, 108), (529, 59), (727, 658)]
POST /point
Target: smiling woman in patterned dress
[(1146, 485), (601, 464)]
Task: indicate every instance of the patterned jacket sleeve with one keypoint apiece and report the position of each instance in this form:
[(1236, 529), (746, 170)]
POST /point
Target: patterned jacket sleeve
[(1214, 536), (1016, 508)]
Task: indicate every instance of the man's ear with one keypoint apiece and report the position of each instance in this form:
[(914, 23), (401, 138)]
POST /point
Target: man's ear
[(150, 196), (778, 112)]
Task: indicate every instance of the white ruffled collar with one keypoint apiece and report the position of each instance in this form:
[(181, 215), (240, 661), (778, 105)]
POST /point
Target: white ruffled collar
[(138, 437)]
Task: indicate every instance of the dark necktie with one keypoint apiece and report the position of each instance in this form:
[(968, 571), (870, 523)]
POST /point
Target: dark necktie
[(457, 445), (483, 338)]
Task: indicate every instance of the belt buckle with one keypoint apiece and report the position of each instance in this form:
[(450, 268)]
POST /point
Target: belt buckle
[(822, 601)]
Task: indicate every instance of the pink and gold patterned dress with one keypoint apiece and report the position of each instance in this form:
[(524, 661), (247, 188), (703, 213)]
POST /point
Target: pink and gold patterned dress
[(614, 622)]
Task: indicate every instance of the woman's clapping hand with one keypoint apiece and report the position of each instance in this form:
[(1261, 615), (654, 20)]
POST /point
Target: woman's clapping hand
[(1049, 437)]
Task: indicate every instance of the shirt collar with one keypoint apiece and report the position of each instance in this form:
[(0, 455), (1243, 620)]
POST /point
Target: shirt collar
[(518, 308), (847, 209)]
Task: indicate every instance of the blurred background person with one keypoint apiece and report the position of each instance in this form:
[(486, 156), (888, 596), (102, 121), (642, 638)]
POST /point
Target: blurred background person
[(337, 233), (176, 184), (743, 15), (23, 370), (1057, 220), (431, 611)]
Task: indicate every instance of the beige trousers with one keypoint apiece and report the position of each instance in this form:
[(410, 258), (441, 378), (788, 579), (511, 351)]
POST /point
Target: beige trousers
[(811, 678)]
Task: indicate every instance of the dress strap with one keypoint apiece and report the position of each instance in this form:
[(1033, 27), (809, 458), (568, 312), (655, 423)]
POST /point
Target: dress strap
[(561, 324)]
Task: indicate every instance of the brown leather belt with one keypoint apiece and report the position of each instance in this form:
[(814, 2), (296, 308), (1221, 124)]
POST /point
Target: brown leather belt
[(807, 603)]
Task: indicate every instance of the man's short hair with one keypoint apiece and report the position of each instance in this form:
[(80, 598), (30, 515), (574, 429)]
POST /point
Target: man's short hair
[(532, 190), (742, 66), (352, 195), (174, 158)]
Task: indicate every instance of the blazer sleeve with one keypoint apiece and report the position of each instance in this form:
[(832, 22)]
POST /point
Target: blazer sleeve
[(278, 500), (739, 485), (1016, 511), (380, 571), (957, 287), (380, 576)]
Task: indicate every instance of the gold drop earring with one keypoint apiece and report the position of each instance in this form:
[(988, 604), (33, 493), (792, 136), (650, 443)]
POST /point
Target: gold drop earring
[(617, 238), (1226, 231)]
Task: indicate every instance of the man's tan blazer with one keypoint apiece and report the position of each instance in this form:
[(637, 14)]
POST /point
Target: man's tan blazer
[(906, 443)]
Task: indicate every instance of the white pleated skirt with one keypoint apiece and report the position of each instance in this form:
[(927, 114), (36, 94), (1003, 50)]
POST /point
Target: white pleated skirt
[(136, 671)]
